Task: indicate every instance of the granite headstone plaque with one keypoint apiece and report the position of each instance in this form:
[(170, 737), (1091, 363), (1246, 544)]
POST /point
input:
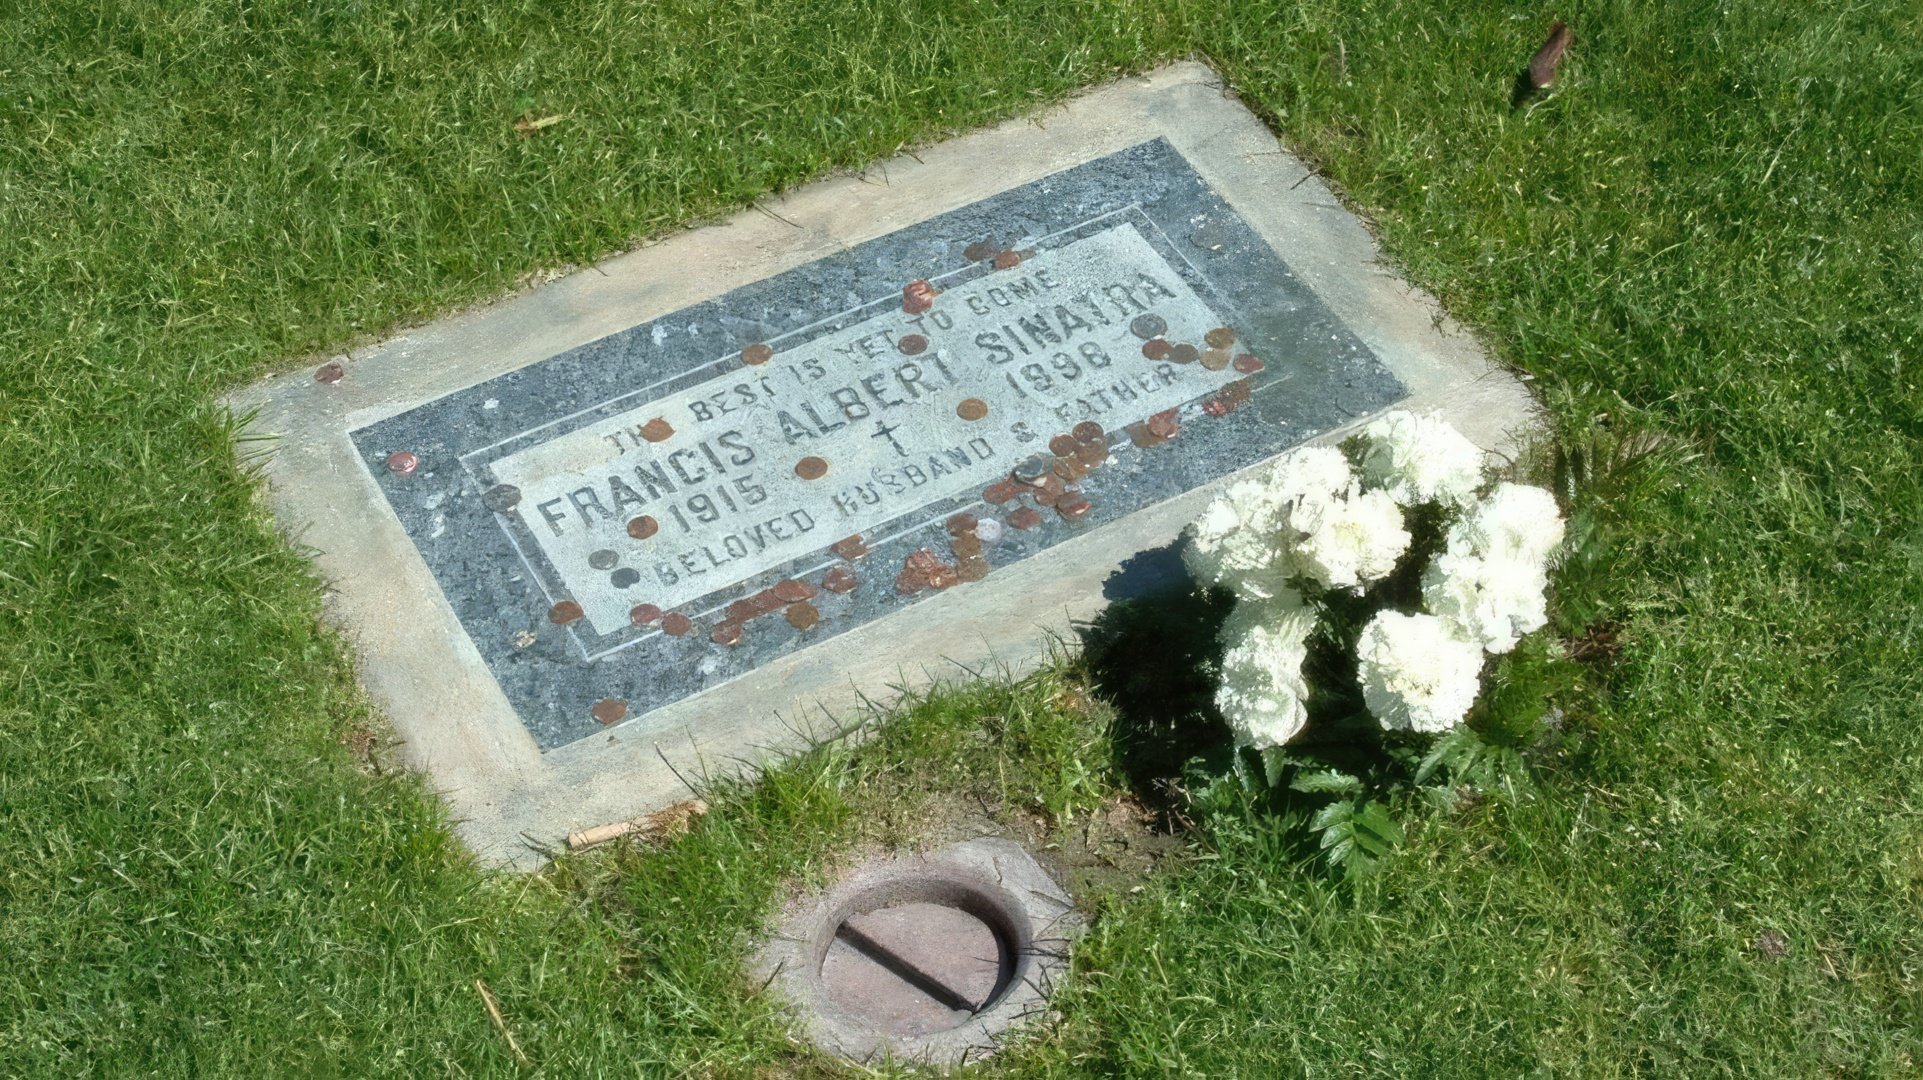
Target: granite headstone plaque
[(653, 514), (680, 515)]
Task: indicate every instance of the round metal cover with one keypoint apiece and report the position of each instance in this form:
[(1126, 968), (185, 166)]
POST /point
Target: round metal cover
[(925, 958)]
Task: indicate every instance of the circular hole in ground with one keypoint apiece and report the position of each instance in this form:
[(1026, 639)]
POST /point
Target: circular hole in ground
[(918, 961)]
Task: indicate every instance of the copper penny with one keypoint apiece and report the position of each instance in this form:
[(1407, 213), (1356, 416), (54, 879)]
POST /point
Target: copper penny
[(910, 582), (839, 580), (912, 344), (329, 373), (944, 577), (971, 408), (1163, 425), (793, 591), (967, 546), (643, 527), (962, 523), (757, 354), (727, 633), (1062, 445), (1247, 364), (1156, 348), (1219, 338), (849, 547), (564, 613), (740, 611), (1138, 434), (657, 430), (803, 615), (917, 296), (1073, 507), (764, 601), (1092, 454), (1046, 498), (501, 498), (609, 711), (643, 614), (811, 468), (1215, 359), (1184, 353), (676, 624), (1025, 518), (1087, 431), (972, 569), (1007, 260), (403, 462), (998, 492), (1217, 407), (979, 250), (1069, 469)]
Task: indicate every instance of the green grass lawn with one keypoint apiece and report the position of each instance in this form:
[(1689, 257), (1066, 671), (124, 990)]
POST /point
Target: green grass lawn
[(1713, 229)]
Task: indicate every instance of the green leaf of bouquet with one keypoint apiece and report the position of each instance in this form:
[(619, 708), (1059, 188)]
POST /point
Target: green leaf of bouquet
[(1329, 817), (1327, 781), (1376, 829)]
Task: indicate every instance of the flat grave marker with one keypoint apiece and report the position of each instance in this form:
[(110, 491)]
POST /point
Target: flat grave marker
[(618, 533)]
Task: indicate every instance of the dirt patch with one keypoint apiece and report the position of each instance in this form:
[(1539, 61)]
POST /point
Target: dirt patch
[(1111, 850)]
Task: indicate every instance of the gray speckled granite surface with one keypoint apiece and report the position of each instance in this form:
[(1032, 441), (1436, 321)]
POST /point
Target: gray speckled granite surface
[(502, 571)]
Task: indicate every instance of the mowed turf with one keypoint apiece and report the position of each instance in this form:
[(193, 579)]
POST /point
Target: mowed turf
[(1712, 229)]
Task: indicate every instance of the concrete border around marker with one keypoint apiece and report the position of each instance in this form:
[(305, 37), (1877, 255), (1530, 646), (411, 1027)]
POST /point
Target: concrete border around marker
[(510, 801)]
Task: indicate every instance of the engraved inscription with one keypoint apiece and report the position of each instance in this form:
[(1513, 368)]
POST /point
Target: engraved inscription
[(859, 428)]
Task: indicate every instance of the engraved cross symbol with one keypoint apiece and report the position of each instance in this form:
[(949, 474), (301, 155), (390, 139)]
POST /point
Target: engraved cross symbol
[(883, 429)]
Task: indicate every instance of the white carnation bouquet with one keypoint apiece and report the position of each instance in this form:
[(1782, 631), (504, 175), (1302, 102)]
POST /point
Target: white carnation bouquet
[(1400, 554)]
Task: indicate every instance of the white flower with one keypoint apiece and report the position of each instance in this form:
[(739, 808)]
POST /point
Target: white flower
[(1421, 458), (1263, 694), (1416, 673), (1349, 543), (1312, 477), (1514, 523), (1235, 536), (1491, 601)]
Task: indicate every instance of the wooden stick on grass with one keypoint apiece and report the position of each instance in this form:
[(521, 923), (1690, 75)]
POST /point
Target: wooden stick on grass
[(500, 1022)]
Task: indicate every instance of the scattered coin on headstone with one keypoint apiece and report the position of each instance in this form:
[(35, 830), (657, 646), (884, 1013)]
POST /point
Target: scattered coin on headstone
[(802, 615), (1148, 326), (643, 527), (501, 498), (811, 468)]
